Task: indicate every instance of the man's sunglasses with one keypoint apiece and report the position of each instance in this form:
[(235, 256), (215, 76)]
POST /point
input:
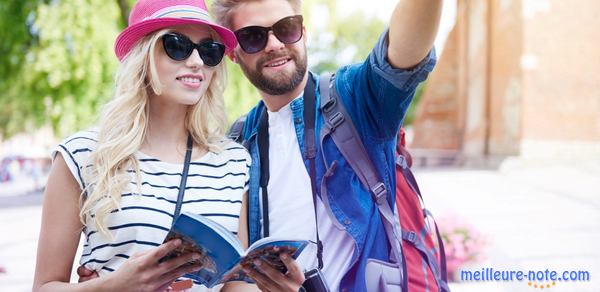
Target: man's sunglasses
[(253, 39), (179, 48)]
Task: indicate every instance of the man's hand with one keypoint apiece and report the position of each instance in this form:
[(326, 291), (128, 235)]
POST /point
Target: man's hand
[(270, 279), (85, 274)]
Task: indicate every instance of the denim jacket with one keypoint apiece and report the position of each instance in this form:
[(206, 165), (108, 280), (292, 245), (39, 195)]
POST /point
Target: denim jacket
[(376, 97)]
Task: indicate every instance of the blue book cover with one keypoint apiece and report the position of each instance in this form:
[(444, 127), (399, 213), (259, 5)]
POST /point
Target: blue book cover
[(222, 252)]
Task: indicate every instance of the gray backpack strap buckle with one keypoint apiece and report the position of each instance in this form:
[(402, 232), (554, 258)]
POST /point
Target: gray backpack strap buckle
[(379, 192), (336, 120)]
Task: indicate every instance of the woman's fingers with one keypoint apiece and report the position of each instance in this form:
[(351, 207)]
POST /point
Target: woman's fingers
[(161, 251), (175, 263), (181, 270)]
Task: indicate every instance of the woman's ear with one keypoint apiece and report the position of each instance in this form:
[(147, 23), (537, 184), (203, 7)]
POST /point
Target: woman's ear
[(232, 57)]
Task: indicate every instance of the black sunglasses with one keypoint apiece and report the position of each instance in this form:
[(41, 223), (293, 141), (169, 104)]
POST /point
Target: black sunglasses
[(253, 39), (179, 48)]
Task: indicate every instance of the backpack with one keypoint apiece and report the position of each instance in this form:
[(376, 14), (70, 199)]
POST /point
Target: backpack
[(421, 255), (403, 272)]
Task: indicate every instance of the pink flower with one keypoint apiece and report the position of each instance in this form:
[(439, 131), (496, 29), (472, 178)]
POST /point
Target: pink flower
[(462, 241)]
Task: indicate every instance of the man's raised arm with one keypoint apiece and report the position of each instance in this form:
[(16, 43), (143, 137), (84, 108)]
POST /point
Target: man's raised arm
[(413, 28)]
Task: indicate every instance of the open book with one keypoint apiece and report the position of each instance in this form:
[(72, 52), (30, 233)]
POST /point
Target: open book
[(222, 252)]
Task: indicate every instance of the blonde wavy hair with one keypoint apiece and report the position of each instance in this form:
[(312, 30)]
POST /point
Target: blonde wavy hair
[(123, 127)]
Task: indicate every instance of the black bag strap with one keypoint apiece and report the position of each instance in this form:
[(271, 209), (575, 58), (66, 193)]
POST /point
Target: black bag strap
[(310, 153), (263, 152), (338, 125), (184, 175)]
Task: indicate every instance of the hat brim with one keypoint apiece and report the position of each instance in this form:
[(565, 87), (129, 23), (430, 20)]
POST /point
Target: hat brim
[(131, 35)]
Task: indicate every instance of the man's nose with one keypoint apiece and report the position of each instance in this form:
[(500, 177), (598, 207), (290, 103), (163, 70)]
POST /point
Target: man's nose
[(273, 43)]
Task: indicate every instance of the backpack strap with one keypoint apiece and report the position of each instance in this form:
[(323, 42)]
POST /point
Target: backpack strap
[(402, 162), (338, 124), (236, 130), (441, 247), (412, 182), (417, 242)]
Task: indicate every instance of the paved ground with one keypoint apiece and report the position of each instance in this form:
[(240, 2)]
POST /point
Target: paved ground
[(536, 218)]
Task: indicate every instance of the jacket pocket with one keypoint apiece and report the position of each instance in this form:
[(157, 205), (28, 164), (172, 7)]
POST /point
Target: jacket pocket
[(383, 276)]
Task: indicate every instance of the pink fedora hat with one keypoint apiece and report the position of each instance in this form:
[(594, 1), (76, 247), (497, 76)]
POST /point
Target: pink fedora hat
[(151, 15)]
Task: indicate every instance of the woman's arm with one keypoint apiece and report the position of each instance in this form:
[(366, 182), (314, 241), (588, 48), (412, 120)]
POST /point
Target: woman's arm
[(61, 229), (59, 237), (243, 222)]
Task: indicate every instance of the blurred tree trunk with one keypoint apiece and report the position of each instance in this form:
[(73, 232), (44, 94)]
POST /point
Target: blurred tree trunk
[(125, 8)]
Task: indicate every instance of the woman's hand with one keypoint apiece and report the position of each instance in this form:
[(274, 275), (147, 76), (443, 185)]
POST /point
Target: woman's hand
[(268, 278), (143, 272)]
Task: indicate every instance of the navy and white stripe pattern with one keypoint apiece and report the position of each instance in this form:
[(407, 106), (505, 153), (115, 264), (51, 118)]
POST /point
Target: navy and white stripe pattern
[(215, 187)]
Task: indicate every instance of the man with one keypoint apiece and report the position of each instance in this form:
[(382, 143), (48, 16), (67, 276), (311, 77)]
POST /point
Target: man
[(376, 94)]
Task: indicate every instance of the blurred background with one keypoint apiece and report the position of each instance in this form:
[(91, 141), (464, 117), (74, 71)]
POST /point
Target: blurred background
[(505, 133)]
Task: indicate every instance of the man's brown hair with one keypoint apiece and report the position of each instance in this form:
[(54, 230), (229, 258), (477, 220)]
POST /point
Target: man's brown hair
[(223, 9)]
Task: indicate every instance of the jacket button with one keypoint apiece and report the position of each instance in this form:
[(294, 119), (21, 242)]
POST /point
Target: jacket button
[(347, 222), (297, 120)]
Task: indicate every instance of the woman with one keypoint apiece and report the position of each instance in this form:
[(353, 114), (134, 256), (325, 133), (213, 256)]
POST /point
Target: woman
[(119, 184)]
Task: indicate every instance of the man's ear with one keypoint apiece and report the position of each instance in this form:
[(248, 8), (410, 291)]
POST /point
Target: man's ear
[(304, 33)]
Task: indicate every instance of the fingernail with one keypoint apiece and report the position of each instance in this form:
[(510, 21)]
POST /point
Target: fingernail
[(284, 256), (257, 263), (196, 256), (177, 242)]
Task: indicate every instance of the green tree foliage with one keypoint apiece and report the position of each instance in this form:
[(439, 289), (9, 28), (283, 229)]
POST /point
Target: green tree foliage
[(15, 40), (63, 64), (344, 39), (57, 62), (240, 94)]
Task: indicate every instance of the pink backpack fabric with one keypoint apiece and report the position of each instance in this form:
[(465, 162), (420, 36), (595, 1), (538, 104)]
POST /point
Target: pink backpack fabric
[(426, 265)]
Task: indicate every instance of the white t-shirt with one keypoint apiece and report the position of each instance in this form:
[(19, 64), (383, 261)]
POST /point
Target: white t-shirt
[(291, 209)]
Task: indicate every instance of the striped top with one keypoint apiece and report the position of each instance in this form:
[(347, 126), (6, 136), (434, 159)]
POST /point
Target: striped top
[(215, 187)]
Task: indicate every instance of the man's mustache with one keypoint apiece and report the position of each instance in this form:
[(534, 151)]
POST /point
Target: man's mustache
[(274, 55)]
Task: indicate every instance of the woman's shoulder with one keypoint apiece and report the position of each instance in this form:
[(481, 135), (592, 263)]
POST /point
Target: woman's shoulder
[(76, 150), (81, 141), (233, 151), (230, 145)]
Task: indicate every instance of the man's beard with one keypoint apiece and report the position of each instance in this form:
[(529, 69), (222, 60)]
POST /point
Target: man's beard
[(280, 84)]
